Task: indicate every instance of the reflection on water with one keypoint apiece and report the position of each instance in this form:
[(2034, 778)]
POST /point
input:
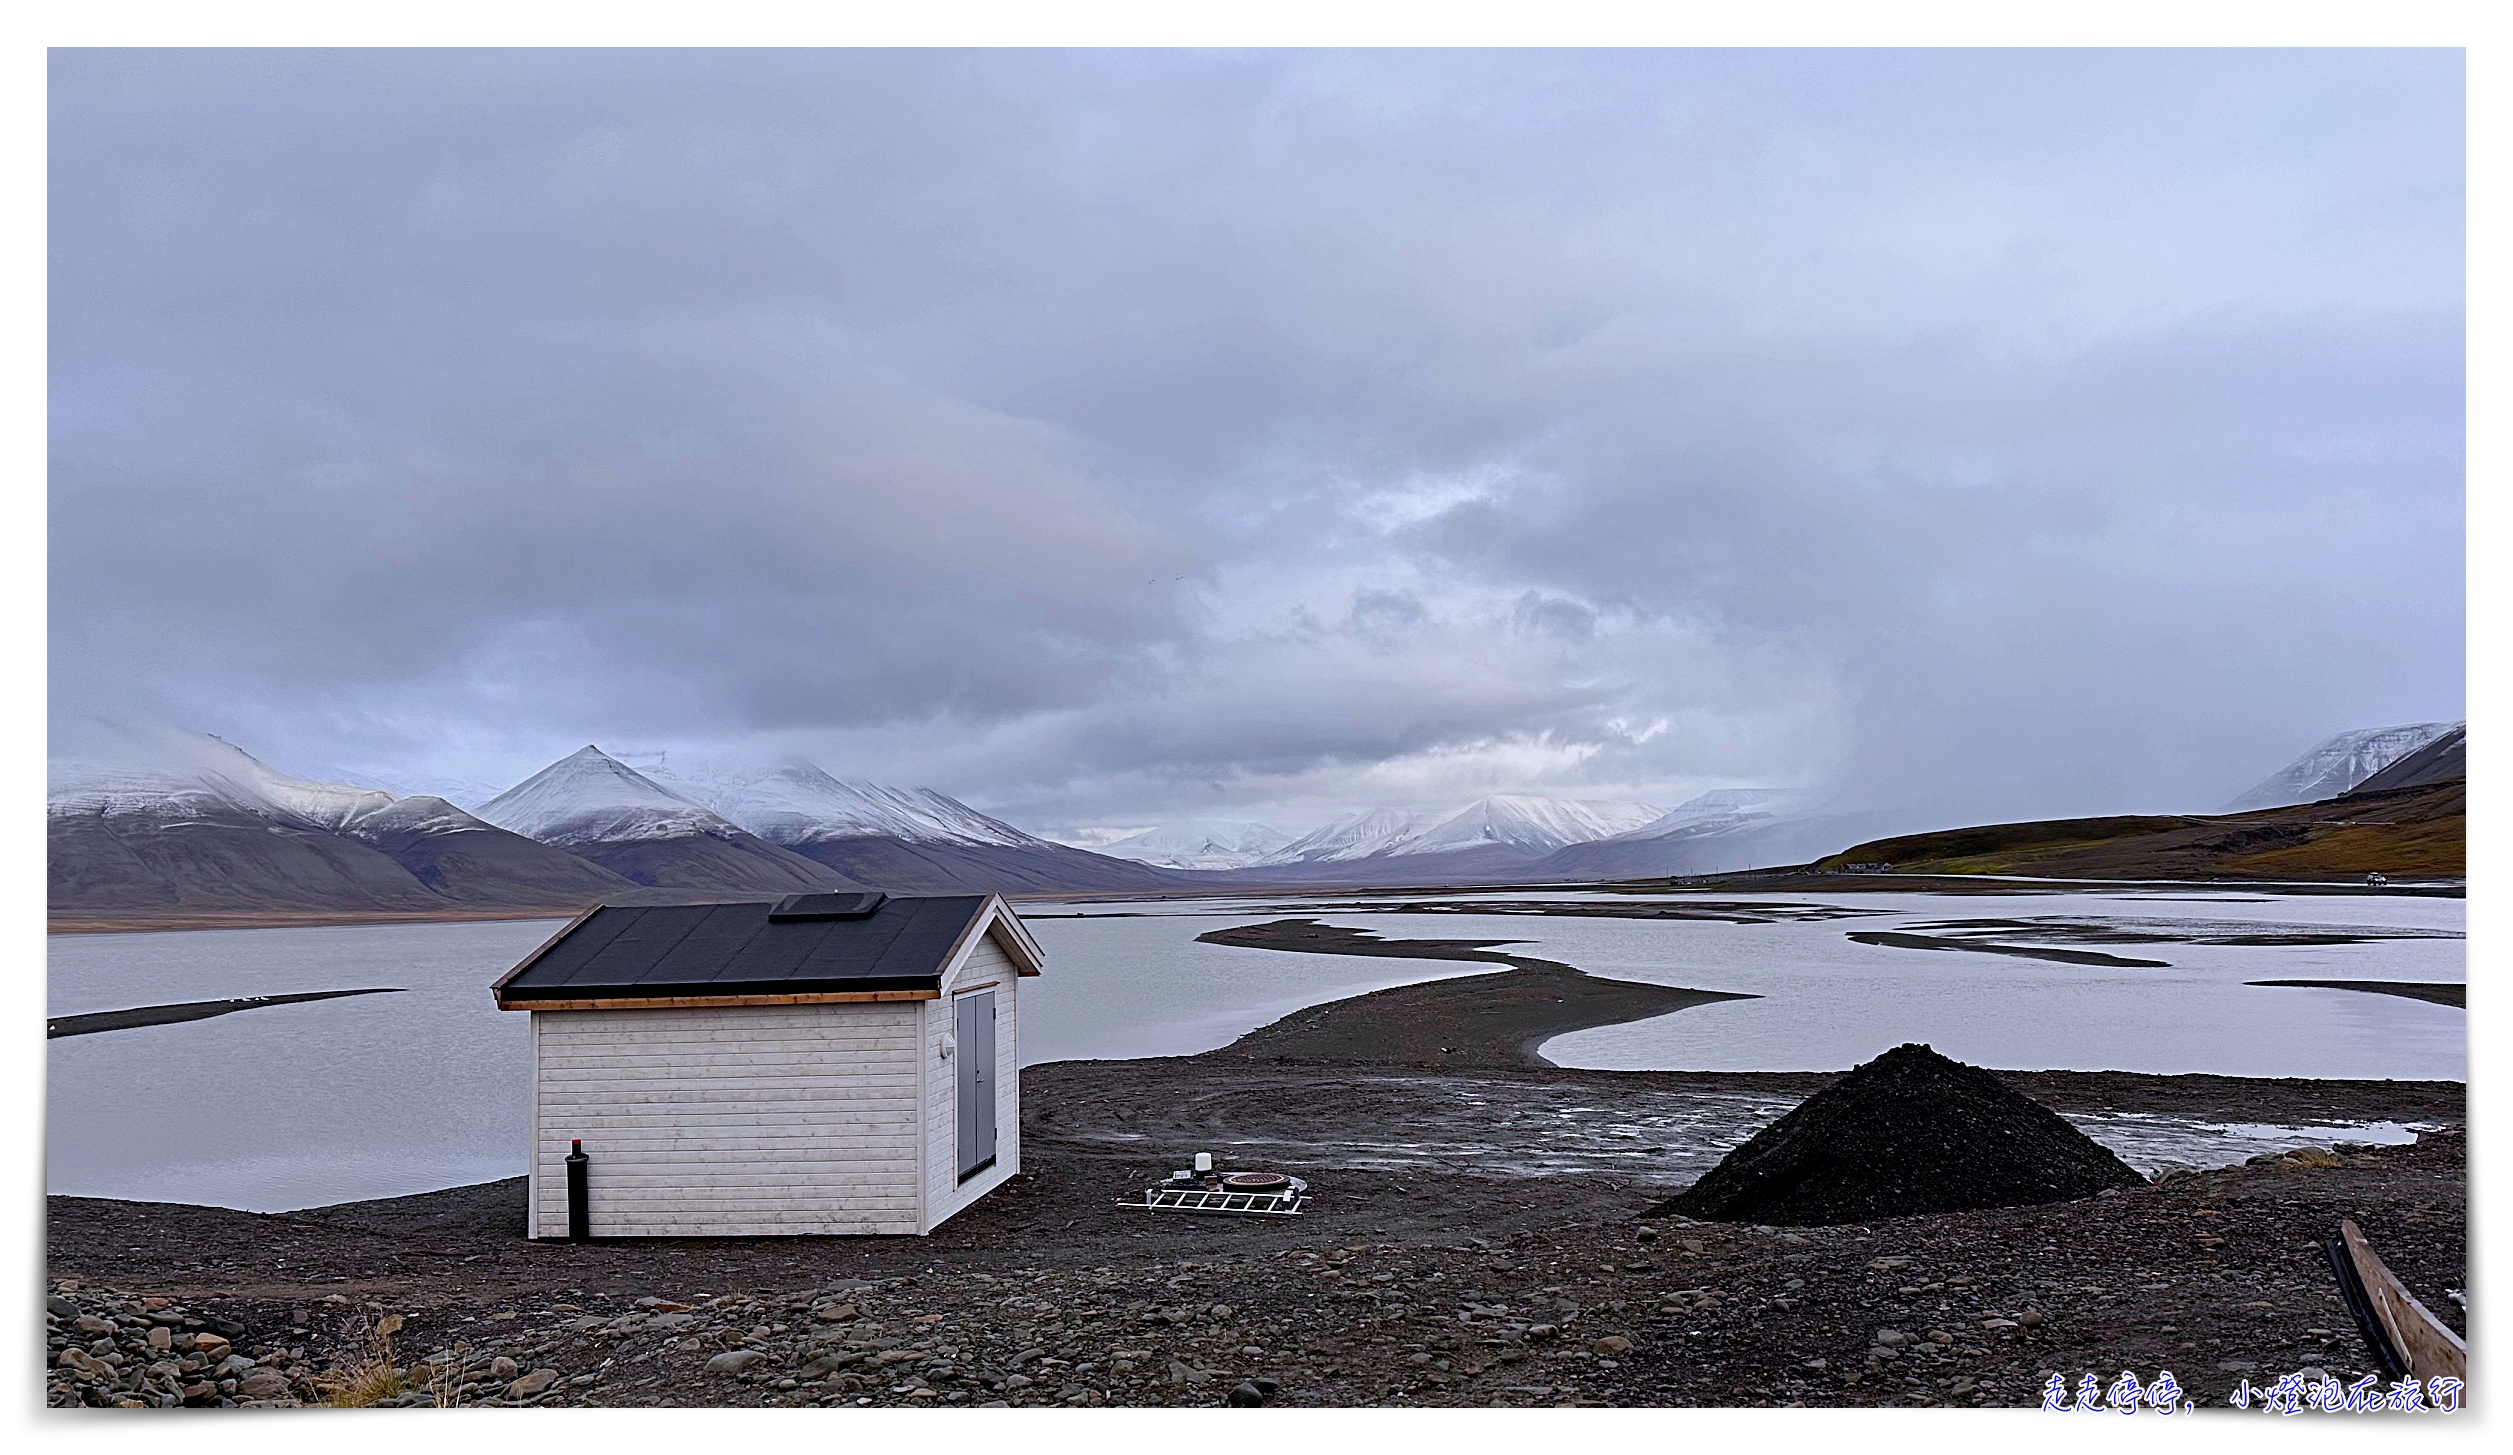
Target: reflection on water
[(1643, 1136), (372, 1096), (2152, 1140)]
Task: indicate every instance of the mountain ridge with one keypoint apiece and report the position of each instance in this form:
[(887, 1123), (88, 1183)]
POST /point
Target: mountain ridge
[(2338, 763), (210, 828), (181, 826)]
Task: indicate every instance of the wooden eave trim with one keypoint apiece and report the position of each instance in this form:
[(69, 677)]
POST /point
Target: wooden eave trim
[(1027, 957), (686, 1002), (970, 934), (991, 916)]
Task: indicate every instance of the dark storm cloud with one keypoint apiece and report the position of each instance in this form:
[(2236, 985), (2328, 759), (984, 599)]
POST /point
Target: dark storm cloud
[(1094, 434)]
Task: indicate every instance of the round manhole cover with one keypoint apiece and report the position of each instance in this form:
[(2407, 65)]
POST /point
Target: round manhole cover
[(1256, 1182)]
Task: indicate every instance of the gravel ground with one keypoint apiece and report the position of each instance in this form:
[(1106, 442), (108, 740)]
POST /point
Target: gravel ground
[(1478, 1238), (1403, 1287)]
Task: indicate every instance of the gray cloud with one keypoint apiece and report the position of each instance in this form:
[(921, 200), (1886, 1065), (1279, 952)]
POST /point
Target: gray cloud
[(1106, 435)]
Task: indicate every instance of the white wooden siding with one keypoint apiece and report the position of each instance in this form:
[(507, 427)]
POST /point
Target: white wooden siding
[(730, 1121), (985, 968)]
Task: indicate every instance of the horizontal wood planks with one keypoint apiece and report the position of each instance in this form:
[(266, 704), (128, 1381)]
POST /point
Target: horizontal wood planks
[(731, 1120)]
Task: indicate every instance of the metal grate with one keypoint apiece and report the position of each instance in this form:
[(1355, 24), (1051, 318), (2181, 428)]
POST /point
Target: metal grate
[(1231, 1204)]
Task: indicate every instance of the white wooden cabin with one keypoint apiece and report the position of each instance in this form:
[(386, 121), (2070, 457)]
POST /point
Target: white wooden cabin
[(833, 1063)]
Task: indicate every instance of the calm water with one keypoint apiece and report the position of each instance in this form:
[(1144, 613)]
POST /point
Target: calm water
[(374, 1096)]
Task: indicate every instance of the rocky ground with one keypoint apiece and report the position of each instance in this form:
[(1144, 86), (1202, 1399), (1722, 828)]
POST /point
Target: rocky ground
[(1480, 1236), (1422, 1286)]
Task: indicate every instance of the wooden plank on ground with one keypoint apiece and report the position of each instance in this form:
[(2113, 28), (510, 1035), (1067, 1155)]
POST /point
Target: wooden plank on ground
[(2426, 1342)]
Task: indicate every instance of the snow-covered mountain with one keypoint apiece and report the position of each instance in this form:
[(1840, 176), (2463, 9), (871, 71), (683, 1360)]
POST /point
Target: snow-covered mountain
[(2340, 764), (797, 803), (1527, 824), (190, 775), (907, 840), (1355, 836), (599, 808), (1719, 842), (1718, 803), (1202, 844), (1491, 838), (590, 797), (175, 823), (2446, 758)]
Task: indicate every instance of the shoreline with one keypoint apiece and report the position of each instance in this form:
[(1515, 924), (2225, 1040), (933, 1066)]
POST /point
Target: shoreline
[(1478, 1237), (1480, 1021), (288, 919), (1782, 881), (1448, 1252), (133, 1017), (2430, 991)]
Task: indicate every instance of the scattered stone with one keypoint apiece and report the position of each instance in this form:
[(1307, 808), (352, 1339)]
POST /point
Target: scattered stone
[(531, 1384), (1545, 1314), (735, 1361)]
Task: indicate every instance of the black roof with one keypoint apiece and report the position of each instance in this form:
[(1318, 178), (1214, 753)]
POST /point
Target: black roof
[(673, 950)]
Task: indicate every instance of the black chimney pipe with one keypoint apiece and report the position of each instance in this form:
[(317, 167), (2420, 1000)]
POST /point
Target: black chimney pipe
[(579, 1214)]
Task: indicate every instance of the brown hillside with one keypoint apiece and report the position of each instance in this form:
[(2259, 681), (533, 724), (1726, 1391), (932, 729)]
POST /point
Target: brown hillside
[(2408, 832)]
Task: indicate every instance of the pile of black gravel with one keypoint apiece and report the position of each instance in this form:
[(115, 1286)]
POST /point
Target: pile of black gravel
[(1909, 1133)]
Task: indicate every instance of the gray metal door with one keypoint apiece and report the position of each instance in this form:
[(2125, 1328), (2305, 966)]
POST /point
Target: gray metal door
[(976, 1082)]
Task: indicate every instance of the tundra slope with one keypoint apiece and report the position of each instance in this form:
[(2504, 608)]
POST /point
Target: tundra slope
[(2401, 832)]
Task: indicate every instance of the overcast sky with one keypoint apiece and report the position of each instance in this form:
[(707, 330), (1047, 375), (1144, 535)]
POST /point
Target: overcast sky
[(1114, 438)]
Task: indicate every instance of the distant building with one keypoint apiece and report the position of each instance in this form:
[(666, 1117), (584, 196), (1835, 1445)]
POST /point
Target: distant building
[(831, 1063)]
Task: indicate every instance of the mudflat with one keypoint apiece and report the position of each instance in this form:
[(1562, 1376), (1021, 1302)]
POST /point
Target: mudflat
[(190, 1010), (1487, 1020), (1478, 1237), (2432, 992)]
